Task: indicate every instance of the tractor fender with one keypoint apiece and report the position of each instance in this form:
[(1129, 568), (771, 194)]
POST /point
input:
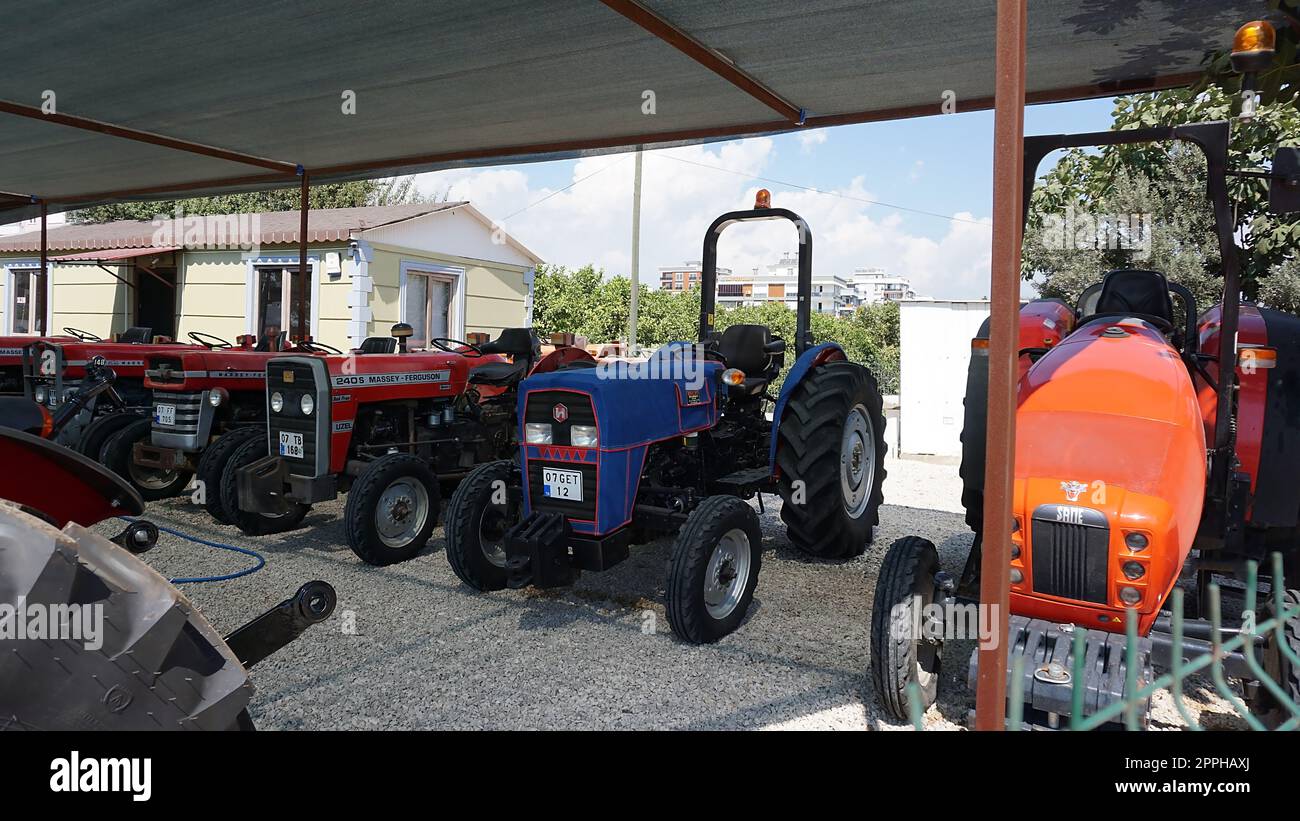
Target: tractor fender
[(809, 359)]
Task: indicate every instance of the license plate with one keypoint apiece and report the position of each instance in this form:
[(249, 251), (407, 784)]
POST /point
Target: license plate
[(562, 484), (291, 444), (164, 414)]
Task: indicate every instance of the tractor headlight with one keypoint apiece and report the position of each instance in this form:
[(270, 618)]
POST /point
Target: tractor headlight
[(1133, 571), (537, 433), (307, 404), (40, 393), (583, 436), (277, 401), (1136, 541), (1016, 576), (1130, 596), (217, 396)]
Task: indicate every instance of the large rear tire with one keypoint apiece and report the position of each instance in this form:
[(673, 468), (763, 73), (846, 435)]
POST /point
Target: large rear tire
[(831, 453), (159, 664), (477, 524), (714, 569), (392, 509), (251, 523), (212, 464), (898, 657), (119, 457)]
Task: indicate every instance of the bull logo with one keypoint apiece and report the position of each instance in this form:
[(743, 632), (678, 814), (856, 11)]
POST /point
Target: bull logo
[(559, 413), (1073, 490)]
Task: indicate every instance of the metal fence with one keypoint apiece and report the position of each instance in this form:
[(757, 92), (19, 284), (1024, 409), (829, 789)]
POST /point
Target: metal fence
[(1137, 694)]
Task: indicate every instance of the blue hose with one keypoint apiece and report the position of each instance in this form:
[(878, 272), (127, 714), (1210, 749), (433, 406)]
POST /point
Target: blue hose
[(261, 560)]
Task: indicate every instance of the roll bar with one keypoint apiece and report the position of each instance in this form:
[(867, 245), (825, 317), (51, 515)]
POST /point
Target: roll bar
[(709, 274)]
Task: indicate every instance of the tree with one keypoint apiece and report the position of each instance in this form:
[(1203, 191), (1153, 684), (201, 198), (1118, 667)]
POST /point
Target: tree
[(1144, 205), (329, 195)]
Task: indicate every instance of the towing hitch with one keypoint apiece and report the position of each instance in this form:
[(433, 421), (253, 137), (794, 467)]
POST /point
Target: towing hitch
[(277, 627)]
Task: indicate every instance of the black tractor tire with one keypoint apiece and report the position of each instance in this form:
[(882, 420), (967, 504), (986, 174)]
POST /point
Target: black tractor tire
[(159, 664), (360, 517), (810, 438), (716, 519), (119, 457), (251, 523), (212, 464), (899, 658), (100, 430), (474, 523), (1280, 668)]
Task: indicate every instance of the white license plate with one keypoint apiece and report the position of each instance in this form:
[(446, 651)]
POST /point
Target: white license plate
[(164, 414), (562, 484), (291, 444)]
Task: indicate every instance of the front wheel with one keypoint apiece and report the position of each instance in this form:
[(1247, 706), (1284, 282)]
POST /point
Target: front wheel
[(486, 504), (714, 570), (152, 483), (252, 523), (392, 509), (831, 452), (899, 657), (1281, 649), (212, 464)]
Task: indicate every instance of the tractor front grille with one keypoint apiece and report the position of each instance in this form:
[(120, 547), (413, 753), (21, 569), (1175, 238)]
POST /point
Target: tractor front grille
[(578, 410), (292, 378), (189, 407), (1069, 547)]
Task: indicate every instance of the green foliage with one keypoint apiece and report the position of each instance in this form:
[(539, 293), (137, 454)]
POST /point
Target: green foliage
[(586, 303), (396, 191), (1282, 290)]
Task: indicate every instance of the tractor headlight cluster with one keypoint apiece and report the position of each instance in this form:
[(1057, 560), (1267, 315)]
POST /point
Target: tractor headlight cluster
[(1133, 571), (307, 404), (1136, 541), (537, 433), (277, 401), (41, 394), (1130, 596), (583, 436)]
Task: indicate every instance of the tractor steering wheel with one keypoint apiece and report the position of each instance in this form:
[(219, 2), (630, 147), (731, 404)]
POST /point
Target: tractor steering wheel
[(318, 347), (206, 340), (447, 344), (83, 336)]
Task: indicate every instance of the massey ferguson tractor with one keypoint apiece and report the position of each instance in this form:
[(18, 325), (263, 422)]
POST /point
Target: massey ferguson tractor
[(11, 359), (628, 452), (199, 394), (386, 428), (1150, 443)]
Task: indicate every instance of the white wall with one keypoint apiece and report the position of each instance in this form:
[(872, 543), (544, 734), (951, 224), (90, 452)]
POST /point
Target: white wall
[(935, 340)]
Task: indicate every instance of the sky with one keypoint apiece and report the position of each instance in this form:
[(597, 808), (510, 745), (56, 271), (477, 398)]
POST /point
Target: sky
[(869, 186)]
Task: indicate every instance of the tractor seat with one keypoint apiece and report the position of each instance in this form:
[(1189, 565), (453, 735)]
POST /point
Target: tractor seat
[(499, 374), (378, 344), (521, 343), (746, 347), (136, 335), (1138, 293)]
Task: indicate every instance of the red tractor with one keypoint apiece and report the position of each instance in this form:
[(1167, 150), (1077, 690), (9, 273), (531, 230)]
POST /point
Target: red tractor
[(11, 359), (1151, 445), (199, 395), (386, 428)]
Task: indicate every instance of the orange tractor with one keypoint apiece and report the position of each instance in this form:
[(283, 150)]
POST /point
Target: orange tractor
[(1152, 444)]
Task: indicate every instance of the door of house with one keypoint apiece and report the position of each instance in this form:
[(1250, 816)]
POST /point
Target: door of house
[(279, 291), (25, 304), (430, 306), (155, 300)]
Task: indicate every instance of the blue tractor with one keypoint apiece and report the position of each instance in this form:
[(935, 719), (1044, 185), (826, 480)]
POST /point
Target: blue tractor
[(621, 453)]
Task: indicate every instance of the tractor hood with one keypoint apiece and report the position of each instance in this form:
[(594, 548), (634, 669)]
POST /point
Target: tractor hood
[(1108, 436)]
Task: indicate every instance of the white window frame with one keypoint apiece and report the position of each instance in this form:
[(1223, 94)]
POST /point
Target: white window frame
[(456, 308), (251, 283), (31, 266)]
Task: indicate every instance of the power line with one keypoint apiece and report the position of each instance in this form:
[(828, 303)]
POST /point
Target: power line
[(566, 188), (819, 191)]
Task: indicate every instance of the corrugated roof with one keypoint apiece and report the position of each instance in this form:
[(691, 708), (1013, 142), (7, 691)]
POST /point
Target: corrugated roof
[(270, 228), (343, 89)]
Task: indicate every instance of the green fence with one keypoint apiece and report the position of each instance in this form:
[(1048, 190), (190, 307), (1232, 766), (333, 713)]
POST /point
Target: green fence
[(1138, 695)]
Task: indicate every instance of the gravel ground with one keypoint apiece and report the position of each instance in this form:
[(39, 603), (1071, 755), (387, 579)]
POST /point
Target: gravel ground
[(409, 647)]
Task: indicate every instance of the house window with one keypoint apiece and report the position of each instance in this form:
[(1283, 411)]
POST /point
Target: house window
[(279, 289), (431, 307), (26, 306)]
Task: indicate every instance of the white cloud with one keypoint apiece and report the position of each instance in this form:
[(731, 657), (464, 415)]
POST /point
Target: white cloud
[(809, 139), (591, 222)]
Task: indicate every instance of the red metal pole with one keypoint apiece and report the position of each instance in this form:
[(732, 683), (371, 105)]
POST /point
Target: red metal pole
[(304, 322), (1008, 160), (43, 285)]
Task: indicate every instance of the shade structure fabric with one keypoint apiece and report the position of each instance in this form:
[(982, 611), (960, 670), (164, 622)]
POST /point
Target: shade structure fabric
[(445, 84)]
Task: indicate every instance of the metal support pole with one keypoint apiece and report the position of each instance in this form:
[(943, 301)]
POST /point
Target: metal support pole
[(1008, 161), (304, 319), (43, 281), (636, 256)]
